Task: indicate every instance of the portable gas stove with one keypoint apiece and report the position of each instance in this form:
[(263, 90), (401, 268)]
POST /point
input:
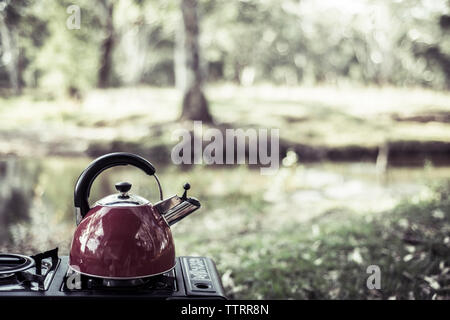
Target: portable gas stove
[(46, 275)]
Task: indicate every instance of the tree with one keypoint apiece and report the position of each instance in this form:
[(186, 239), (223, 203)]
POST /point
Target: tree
[(107, 45), (195, 105), (9, 19)]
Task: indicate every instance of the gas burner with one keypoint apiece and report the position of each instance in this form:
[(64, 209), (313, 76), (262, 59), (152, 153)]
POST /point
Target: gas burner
[(11, 263), (163, 281), (75, 281), (114, 283), (19, 272)]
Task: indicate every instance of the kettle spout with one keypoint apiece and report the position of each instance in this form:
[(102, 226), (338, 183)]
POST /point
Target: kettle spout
[(176, 208)]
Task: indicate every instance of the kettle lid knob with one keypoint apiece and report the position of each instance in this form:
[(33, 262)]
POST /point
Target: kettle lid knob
[(123, 198), (123, 187), (186, 187)]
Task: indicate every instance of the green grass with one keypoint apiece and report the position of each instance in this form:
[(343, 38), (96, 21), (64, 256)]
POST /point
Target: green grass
[(328, 259)]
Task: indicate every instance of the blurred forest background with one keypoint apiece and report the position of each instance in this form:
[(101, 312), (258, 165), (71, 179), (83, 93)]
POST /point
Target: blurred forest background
[(403, 42), (358, 88)]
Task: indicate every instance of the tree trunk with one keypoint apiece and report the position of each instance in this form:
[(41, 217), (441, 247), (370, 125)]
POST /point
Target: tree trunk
[(106, 46), (8, 35), (179, 59), (195, 105)]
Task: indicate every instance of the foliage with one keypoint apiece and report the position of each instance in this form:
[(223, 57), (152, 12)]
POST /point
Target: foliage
[(327, 259), (292, 42), (403, 42), (69, 59)]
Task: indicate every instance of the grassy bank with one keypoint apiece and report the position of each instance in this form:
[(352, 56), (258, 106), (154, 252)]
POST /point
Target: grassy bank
[(318, 123), (327, 257)]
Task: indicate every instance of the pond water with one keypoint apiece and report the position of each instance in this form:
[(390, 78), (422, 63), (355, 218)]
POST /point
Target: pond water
[(36, 195)]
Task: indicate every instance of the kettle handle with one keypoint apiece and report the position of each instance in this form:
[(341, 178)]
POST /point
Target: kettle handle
[(87, 177)]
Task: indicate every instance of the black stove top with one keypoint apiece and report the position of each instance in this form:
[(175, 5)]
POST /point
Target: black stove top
[(46, 275)]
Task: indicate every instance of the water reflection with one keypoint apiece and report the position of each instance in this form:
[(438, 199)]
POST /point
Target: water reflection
[(17, 181)]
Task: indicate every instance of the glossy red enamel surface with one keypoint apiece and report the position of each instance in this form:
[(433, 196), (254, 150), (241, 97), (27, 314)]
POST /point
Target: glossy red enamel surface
[(122, 242)]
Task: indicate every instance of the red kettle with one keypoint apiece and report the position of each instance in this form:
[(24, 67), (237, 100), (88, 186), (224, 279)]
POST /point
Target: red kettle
[(124, 236)]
